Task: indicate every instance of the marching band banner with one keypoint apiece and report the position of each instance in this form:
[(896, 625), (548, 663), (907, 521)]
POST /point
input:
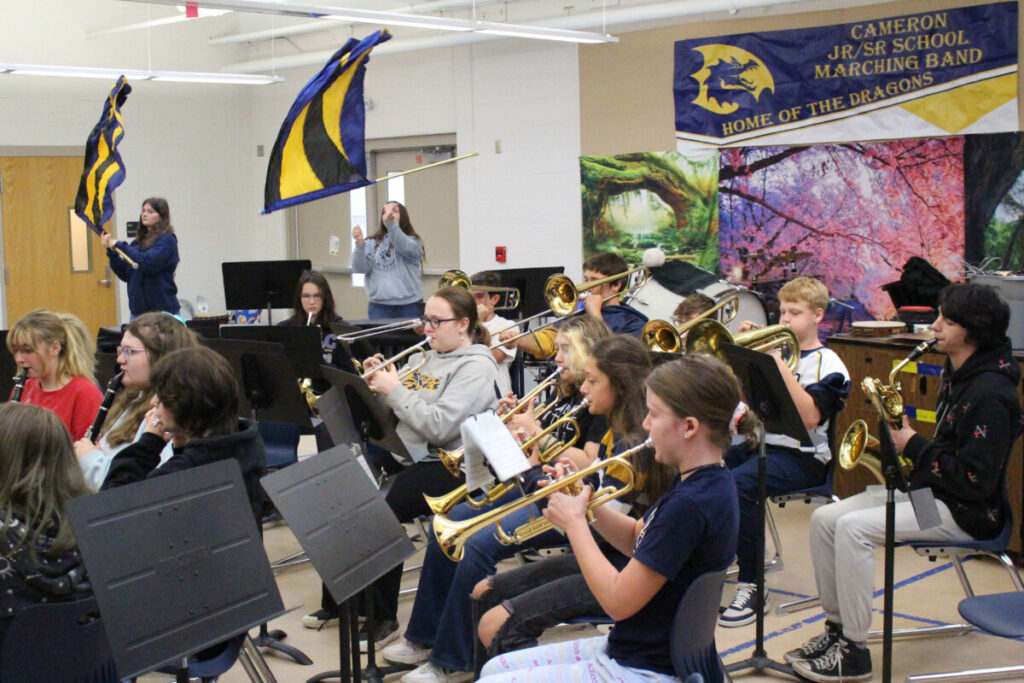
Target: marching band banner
[(944, 72)]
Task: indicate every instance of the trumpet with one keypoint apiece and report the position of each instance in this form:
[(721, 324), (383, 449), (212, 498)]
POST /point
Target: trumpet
[(442, 504), (563, 297), (707, 336), (452, 536), (663, 336), (410, 367), (452, 460), (858, 447)]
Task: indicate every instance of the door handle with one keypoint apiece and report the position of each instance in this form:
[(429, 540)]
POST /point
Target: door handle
[(106, 281)]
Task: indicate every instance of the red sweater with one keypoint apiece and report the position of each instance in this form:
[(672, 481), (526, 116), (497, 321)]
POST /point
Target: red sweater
[(76, 404)]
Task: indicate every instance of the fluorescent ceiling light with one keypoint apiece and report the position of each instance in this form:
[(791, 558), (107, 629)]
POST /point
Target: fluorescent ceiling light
[(137, 75), (360, 16), (156, 22)]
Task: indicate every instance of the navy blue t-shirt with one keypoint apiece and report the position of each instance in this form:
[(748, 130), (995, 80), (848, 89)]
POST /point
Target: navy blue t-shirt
[(689, 531)]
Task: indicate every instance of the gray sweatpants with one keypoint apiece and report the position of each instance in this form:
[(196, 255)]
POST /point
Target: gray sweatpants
[(843, 538)]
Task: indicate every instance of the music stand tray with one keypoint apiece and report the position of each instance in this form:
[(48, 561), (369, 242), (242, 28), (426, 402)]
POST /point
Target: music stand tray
[(301, 343), (193, 574)]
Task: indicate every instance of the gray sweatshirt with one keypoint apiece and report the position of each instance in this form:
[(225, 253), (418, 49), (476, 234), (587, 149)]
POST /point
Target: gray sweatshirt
[(391, 266), (432, 402)]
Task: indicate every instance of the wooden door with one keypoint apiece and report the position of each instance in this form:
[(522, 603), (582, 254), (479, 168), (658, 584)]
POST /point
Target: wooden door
[(38, 196)]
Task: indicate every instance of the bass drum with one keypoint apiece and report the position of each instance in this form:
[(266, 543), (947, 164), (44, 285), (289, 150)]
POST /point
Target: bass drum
[(658, 302), (751, 306)]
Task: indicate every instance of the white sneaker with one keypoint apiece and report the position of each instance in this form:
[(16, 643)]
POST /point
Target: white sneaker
[(743, 609), (427, 672), (405, 652)]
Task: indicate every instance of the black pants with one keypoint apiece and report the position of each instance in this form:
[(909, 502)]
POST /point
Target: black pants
[(405, 497)]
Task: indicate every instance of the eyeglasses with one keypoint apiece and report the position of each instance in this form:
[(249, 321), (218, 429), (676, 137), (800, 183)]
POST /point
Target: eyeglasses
[(313, 296), (128, 351), (435, 322)]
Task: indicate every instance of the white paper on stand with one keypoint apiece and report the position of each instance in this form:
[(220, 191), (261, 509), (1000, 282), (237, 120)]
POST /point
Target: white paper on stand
[(486, 440)]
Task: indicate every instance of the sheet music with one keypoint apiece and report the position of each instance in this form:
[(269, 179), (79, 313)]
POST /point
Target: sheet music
[(486, 440)]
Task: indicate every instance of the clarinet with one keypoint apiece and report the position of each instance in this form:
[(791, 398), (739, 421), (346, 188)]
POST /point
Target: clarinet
[(108, 398), (19, 385)]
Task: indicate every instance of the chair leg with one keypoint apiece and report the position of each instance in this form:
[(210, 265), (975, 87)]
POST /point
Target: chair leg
[(1002, 673), (798, 605), (254, 664), (775, 563)]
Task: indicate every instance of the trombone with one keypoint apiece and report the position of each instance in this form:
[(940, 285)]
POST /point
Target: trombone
[(452, 536), (412, 366), (563, 297), (663, 336), (707, 336), (458, 278), (452, 460)]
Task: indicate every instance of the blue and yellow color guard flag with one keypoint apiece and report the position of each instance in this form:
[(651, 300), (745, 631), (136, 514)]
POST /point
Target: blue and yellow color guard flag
[(104, 170), (319, 149)]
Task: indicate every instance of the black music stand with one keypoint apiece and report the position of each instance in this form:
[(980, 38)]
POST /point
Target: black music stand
[(262, 284), (351, 536), (301, 343), (766, 394), (361, 417), (194, 574), (269, 391), (530, 283)]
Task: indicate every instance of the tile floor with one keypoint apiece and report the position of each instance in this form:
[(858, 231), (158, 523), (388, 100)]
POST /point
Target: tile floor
[(927, 593)]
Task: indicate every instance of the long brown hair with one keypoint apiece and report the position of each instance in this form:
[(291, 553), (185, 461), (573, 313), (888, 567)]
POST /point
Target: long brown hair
[(326, 313), (146, 236), (403, 222), (703, 387), (199, 389), (77, 349), (160, 333), (464, 306), (39, 474)]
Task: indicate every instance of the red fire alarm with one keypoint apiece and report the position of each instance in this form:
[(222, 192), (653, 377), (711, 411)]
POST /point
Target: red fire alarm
[(499, 254)]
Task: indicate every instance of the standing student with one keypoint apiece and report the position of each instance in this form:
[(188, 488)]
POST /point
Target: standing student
[(38, 476), (145, 341), (392, 260), (964, 464), (195, 408), (155, 249), (688, 531), (819, 388), (59, 355), (486, 300)]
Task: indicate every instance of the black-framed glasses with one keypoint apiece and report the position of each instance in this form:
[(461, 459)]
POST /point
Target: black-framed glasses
[(128, 351), (435, 322)]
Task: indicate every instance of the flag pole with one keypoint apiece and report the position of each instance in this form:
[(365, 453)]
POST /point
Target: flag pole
[(101, 232), (424, 168)]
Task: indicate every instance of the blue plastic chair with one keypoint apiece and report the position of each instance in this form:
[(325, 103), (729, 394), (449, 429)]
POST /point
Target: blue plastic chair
[(281, 442), (58, 641), (693, 647), (1000, 614)]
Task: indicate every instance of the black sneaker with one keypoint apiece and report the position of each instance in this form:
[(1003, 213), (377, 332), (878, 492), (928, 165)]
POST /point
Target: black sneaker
[(384, 633), (842, 662), (319, 619), (816, 646), (743, 610)]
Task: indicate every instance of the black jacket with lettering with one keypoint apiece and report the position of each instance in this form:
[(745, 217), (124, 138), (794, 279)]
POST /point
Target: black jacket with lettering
[(977, 419)]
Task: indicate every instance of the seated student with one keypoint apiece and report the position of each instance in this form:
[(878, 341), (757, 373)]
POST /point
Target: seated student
[(145, 341), (601, 302), (457, 380), (440, 632), (485, 303), (688, 531), (692, 306), (195, 407), (819, 389), (964, 465), (38, 476), (314, 305), (59, 355)]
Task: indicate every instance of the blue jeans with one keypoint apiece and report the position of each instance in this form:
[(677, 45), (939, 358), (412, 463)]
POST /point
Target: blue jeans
[(406, 311), (784, 472), (441, 616)]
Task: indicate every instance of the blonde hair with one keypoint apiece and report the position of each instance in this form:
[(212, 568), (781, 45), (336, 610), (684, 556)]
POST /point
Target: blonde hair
[(582, 331), (805, 289), (77, 349)]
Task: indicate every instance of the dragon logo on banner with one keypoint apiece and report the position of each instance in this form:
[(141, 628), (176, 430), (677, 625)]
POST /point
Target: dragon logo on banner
[(727, 73)]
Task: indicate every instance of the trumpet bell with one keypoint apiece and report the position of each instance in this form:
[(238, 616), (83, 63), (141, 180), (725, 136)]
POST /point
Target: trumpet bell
[(858, 447), (660, 335)]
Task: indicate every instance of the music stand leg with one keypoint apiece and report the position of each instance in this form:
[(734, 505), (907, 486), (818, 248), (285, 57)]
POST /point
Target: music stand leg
[(272, 640), (759, 660), (890, 551)]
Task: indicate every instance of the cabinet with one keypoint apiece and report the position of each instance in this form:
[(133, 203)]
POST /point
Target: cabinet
[(874, 357)]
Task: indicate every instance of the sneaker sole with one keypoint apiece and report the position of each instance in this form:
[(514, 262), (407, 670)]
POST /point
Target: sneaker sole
[(401, 659), (820, 678), (380, 644), (733, 623), (318, 624)]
